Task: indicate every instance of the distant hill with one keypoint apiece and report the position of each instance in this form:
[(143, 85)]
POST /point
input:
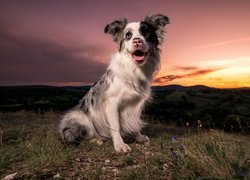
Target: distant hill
[(221, 108), (175, 87), (180, 87), (46, 87)]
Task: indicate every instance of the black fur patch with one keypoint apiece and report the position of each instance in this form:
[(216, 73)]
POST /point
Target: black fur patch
[(116, 29), (74, 133), (158, 21), (83, 105), (93, 95), (148, 32), (121, 44), (143, 83)]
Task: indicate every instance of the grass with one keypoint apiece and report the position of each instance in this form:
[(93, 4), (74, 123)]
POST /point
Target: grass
[(32, 148)]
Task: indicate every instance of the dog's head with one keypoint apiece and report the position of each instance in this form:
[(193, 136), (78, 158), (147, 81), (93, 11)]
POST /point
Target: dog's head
[(138, 38)]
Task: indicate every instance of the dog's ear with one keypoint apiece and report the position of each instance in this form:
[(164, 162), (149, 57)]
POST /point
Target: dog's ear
[(158, 21), (116, 28)]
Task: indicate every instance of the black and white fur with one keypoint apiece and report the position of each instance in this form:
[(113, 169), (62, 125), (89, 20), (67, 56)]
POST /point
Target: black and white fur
[(112, 107)]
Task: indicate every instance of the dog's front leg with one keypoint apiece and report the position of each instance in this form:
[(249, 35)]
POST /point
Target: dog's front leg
[(112, 115)]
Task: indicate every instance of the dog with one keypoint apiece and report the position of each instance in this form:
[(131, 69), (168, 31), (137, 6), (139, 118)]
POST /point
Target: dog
[(112, 107)]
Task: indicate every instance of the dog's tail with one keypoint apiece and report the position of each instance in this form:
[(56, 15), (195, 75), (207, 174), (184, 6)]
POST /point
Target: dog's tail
[(73, 127)]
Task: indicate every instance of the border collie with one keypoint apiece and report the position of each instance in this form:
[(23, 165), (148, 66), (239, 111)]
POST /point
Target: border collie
[(112, 107)]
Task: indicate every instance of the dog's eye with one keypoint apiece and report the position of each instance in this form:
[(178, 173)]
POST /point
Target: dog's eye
[(128, 35), (147, 33)]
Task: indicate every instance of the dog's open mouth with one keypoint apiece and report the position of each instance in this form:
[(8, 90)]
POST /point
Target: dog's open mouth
[(138, 55)]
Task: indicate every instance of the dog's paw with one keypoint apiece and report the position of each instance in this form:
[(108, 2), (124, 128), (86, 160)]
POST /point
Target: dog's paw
[(142, 139), (122, 148)]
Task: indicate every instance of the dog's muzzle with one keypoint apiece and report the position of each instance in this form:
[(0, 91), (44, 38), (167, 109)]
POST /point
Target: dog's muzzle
[(138, 54)]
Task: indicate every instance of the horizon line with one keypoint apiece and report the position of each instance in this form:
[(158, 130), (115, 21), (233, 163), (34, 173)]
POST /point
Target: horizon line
[(61, 86)]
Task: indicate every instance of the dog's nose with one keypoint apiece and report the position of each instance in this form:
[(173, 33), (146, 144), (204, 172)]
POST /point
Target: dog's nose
[(137, 42)]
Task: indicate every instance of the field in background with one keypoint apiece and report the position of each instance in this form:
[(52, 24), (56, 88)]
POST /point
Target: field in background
[(226, 109), (32, 148)]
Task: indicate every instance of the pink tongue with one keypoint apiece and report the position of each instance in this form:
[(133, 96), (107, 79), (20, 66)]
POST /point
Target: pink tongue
[(138, 58)]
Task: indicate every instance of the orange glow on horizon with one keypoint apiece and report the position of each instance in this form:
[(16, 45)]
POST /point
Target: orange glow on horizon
[(230, 73)]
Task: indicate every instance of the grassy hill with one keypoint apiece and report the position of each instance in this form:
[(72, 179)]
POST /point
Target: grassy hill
[(226, 109), (31, 147)]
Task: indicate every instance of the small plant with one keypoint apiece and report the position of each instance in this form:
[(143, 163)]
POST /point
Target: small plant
[(127, 160), (177, 149), (131, 174)]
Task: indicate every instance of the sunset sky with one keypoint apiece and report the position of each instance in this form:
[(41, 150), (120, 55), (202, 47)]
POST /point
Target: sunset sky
[(63, 42)]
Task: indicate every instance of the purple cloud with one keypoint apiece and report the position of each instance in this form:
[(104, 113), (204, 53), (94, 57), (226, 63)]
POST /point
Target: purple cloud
[(185, 68), (28, 59), (168, 78)]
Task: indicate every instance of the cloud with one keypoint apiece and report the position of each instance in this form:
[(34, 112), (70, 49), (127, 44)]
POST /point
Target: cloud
[(28, 59), (240, 40), (168, 78), (185, 68)]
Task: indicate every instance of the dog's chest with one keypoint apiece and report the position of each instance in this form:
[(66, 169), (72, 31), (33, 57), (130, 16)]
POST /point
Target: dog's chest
[(133, 93)]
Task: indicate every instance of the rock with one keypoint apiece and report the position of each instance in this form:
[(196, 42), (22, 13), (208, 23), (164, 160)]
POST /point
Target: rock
[(57, 175), (165, 167), (147, 144), (104, 169), (107, 161), (115, 171), (136, 166), (11, 176)]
